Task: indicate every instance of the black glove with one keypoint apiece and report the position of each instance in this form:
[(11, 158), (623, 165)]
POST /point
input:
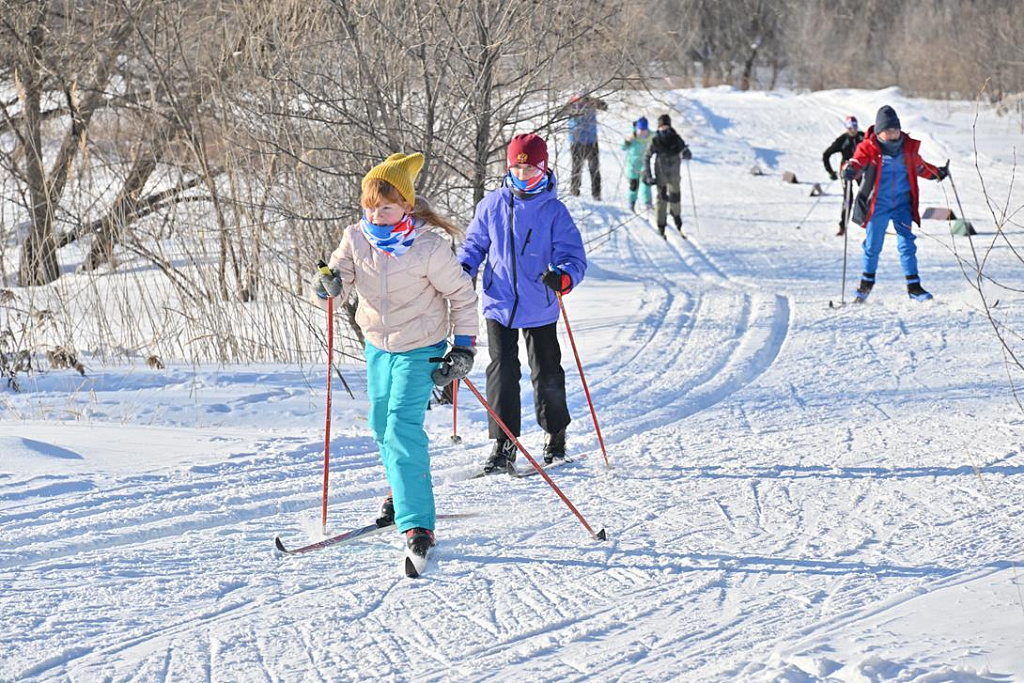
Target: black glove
[(557, 280), (687, 154), (832, 175), (326, 282), (648, 180), (943, 173), (456, 365), (849, 172)]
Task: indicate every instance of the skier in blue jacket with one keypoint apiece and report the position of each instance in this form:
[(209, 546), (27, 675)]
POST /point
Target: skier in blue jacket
[(532, 250)]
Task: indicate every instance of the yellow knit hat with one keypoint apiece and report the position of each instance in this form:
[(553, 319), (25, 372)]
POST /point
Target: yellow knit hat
[(400, 170)]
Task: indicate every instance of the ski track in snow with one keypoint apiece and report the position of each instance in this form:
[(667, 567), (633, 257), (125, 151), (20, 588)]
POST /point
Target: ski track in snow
[(791, 485)]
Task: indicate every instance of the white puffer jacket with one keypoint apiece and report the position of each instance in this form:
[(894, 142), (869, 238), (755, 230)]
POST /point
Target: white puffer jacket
[(408, 302)]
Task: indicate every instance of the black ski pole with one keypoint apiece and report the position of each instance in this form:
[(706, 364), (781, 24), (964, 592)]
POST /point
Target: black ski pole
[(693, 197), (813, 206), (847, 201), (956, 195)]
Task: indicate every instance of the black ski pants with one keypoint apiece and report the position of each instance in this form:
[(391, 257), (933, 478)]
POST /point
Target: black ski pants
[(589, 153), (504, 373)]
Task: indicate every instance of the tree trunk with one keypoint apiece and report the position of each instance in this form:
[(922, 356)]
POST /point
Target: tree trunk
[(482, 144), (38, 264), (126, 206), (748, 70)]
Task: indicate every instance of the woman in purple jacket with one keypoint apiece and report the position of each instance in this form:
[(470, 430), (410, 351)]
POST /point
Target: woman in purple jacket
[(532, 250)]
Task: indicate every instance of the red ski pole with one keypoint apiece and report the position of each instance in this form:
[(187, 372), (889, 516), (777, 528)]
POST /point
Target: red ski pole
[(586, 390), (600, 535), (324, 270), (455, 413)]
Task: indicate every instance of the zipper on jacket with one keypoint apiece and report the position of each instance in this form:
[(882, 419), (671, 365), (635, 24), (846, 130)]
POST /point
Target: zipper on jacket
[(384, 298), (523, 250), (512, 251)]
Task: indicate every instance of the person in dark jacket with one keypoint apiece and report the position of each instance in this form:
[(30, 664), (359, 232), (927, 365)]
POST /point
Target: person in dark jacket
[(533, 251), (889, 163), (844, 145), (582, 110), (667, 149)]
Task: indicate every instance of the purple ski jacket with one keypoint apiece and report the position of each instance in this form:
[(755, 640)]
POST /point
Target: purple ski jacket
[(520, 236)]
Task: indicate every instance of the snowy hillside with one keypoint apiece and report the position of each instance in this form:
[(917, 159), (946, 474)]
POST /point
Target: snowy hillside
[(798, 493)]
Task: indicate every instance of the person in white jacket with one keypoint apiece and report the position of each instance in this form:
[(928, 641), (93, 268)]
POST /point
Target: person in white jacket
[(413, 295)]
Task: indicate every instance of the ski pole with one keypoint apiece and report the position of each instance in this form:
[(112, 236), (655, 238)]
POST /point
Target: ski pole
[(847, 200), (325, 270), (693, 202), (583, 379), (815, 205), (455, 413), (956, 195), (600, 535)]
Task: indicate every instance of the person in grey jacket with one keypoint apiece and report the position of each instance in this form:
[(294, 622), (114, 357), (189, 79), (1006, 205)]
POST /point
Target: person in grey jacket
[(668, 150)]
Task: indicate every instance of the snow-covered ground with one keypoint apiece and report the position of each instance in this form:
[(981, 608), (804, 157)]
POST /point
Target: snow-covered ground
[(798, 493)]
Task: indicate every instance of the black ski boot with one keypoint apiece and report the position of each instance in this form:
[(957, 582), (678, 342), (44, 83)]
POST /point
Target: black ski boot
[(679, 222), (661, 231), (554, 447), (915, 291), (867, 281), (632, 206), (387, 512), (419, 541), (502, 457)]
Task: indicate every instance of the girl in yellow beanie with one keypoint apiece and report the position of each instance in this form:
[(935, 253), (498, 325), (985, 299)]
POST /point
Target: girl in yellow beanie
[(413, 295)]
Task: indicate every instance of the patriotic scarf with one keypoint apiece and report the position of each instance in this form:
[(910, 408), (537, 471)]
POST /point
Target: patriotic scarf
[(530, 187), (393, 240)]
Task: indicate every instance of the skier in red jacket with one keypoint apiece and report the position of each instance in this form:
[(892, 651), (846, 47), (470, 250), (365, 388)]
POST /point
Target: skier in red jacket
[(889, 162)]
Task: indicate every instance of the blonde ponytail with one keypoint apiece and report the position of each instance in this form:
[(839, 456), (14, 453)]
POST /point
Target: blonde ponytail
[(425, 212)]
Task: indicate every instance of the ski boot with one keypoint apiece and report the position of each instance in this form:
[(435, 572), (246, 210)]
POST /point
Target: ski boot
[(419, 541), (554, 447), (502, 457), (842, 230), (867, 281), (661, 232), (915, 291), (387, 512), (632, 206), (679, 226)]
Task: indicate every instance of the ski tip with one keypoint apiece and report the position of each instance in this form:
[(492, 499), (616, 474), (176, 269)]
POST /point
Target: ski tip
[(601, 535), (279, 545), (410, 569)]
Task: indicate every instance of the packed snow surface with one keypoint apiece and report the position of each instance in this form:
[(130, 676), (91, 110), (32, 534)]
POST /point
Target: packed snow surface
[(798, 493)]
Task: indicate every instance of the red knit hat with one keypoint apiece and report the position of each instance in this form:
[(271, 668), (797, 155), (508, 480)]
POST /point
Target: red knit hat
[(528, 148)]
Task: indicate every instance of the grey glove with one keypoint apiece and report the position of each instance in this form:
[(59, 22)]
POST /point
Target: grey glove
[(326, 282), (456, 365)]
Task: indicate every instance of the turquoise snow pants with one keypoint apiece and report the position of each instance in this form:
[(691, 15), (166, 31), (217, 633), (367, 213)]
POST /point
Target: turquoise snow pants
[(636, 186), (399, 385)]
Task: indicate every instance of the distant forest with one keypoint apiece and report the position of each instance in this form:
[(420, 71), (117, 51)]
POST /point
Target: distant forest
[(217, 143)]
